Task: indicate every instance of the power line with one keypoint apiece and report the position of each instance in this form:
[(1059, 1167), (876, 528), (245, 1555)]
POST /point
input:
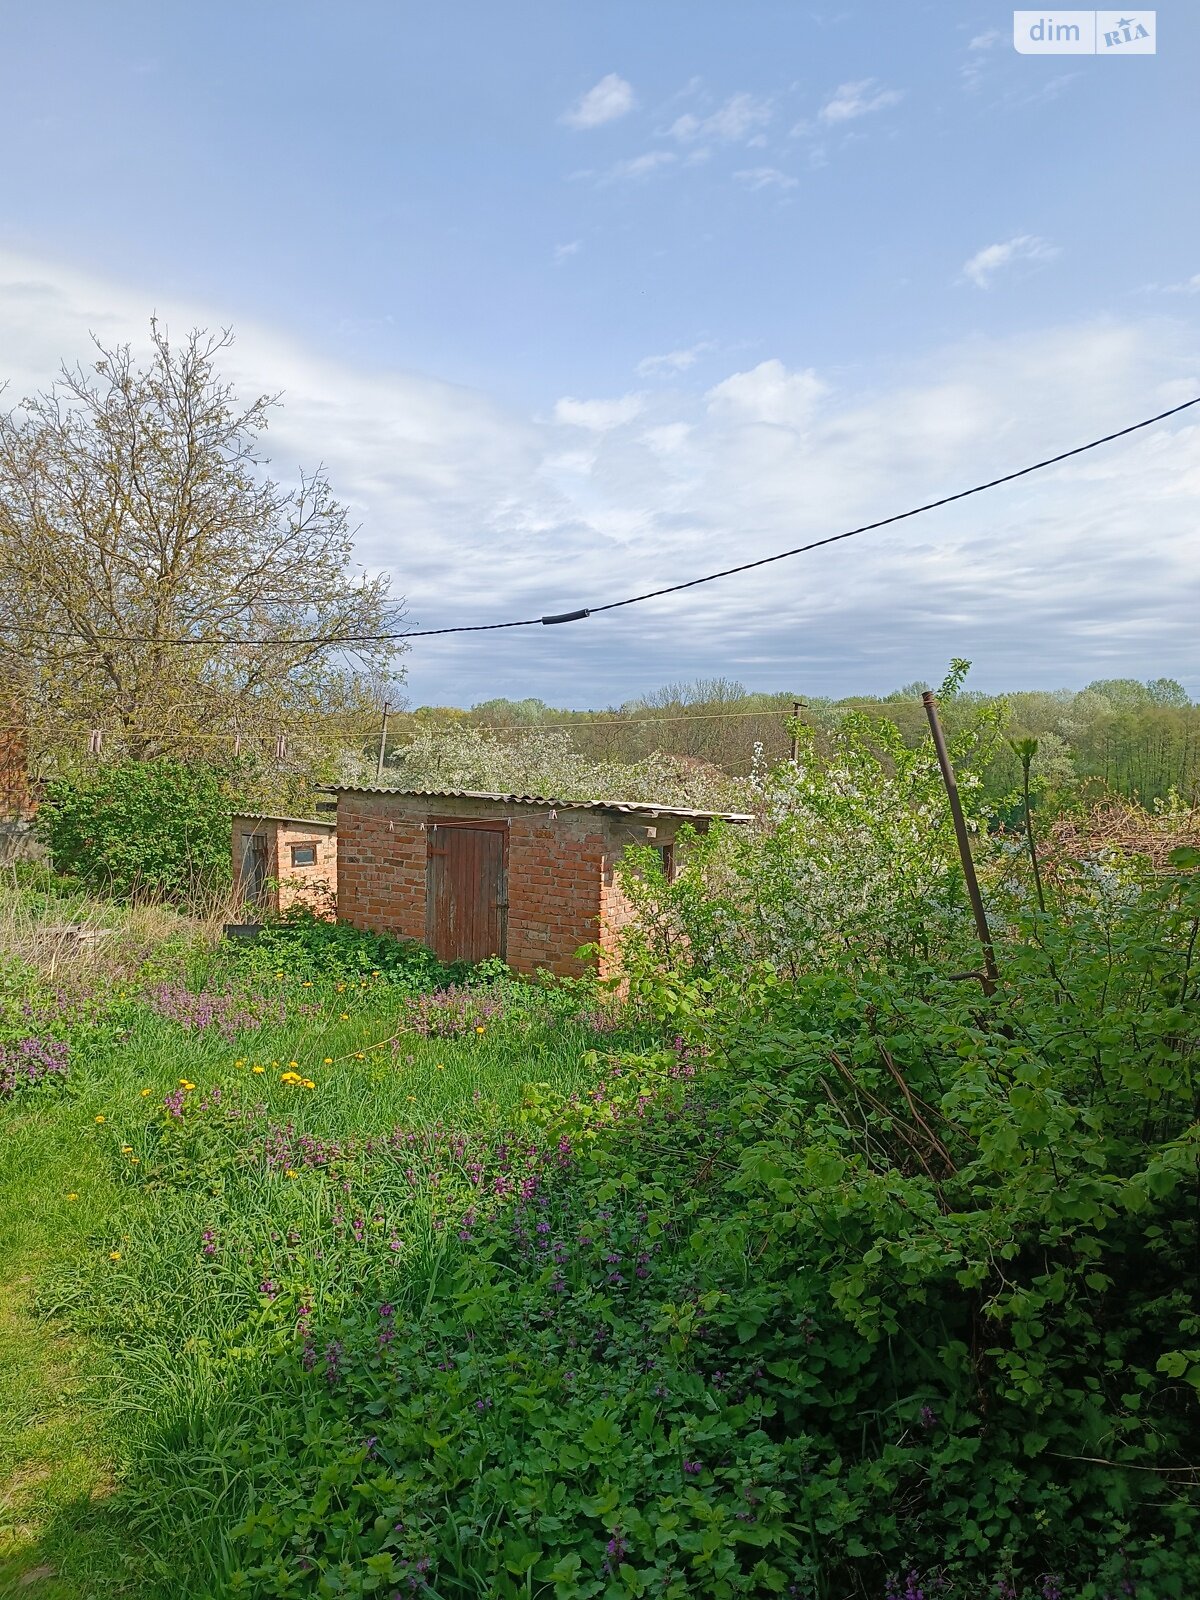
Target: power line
[(581, 612)]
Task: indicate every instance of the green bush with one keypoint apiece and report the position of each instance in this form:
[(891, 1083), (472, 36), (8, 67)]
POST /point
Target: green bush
[(143, 829)]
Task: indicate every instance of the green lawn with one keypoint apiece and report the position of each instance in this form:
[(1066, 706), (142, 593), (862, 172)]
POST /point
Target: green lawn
[(199, 1176)]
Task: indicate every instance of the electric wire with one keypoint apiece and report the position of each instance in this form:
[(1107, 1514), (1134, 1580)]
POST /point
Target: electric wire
[(580, 612)]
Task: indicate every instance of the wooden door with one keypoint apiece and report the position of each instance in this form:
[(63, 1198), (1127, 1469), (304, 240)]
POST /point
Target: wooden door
[(254, 869), (466, 905)]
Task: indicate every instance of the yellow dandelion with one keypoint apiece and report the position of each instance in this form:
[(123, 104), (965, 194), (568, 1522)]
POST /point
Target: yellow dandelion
[(145, 1092), (279, 974), (241, 1062), (293, 1063), (72, 1196), (345, 1017), (135, 1161), (480, 1028), (309, 1084), (359, 1055), (375, 974), (340, 987), (274, 1063), (307, 984), (258, 1069), (441, 1066), (125, 1149), (100, 1118), (114, 1255), (328, 1061), (291, 1173), (412, 1097)]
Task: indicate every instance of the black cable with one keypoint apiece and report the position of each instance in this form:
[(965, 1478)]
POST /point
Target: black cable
[(650, 594)]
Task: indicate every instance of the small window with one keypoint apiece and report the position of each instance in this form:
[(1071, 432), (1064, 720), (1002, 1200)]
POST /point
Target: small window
[(666, 854), (304, 855)]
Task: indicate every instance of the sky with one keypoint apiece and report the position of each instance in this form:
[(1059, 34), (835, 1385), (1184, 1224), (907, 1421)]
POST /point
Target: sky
[(578, 298)]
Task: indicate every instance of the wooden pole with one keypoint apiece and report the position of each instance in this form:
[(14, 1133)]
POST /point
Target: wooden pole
[(797, 705), (382, 743), (990, 975)]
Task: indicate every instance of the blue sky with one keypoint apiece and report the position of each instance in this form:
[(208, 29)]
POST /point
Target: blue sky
[(575, 299)]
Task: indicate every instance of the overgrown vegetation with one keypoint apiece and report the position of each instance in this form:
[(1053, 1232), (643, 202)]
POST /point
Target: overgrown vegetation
[(805, 1267)]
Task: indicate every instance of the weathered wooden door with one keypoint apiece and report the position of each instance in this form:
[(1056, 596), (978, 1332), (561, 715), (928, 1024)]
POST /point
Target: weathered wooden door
[(466, 886), (254, 869)]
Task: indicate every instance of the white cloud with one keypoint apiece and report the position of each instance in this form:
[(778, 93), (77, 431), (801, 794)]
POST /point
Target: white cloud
[(484, 513), (993, 258), (858, 99), (563, 252), (673, 360), (637, 167), (598, 416), (986, 41), (768, 393), (738, 120), (765, 178), (1188, 286), (607, 100)]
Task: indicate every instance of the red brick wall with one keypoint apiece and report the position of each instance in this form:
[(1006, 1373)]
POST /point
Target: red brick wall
[(313, 886), (555, 887), (381, 865), (561, 890), (14, 781)]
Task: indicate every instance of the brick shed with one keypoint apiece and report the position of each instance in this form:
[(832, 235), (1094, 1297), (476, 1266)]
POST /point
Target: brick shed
[(280, 862), (474, 875)]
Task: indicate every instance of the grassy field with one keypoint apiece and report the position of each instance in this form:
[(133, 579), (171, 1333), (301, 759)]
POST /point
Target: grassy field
[(239, 1146)]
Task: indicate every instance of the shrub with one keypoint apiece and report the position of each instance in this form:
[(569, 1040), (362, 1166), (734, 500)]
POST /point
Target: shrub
[(143, 829)]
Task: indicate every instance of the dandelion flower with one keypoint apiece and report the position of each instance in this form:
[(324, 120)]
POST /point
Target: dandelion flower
[(241, 1062), (309, 1084), (125, 1149), (340, 987), (135, 1161), (441, 1066), (100, 1118), (359, 1055), (114, 1255), (307, 984), (480, 1028), (145, 1092), (258, 1069), (345, 1016), (291, 1173), (293, 1064), (412, 1097), (279, 974), (72, 1196), (328, 1061)]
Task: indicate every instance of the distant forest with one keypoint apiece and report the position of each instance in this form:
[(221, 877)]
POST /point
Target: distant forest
[(1119, 735)]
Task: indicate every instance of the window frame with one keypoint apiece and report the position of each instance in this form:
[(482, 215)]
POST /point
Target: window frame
[(305, 844)]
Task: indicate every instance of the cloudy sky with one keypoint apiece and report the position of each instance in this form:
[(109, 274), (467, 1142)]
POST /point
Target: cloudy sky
[(578, 299)]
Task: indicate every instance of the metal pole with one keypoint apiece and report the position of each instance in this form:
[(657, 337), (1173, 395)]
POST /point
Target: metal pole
[(990, 975), (795, 751), (382, 743)]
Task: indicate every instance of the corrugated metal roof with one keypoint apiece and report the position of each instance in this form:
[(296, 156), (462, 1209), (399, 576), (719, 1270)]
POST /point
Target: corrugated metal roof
[(297, 822), (641, 808)]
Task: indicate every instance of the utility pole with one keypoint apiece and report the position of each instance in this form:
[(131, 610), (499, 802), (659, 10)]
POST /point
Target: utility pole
[(797, 708), (989, 977), (382, 743)]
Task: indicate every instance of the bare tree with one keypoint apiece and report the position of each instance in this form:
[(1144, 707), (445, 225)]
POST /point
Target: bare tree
[(136, 511)]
